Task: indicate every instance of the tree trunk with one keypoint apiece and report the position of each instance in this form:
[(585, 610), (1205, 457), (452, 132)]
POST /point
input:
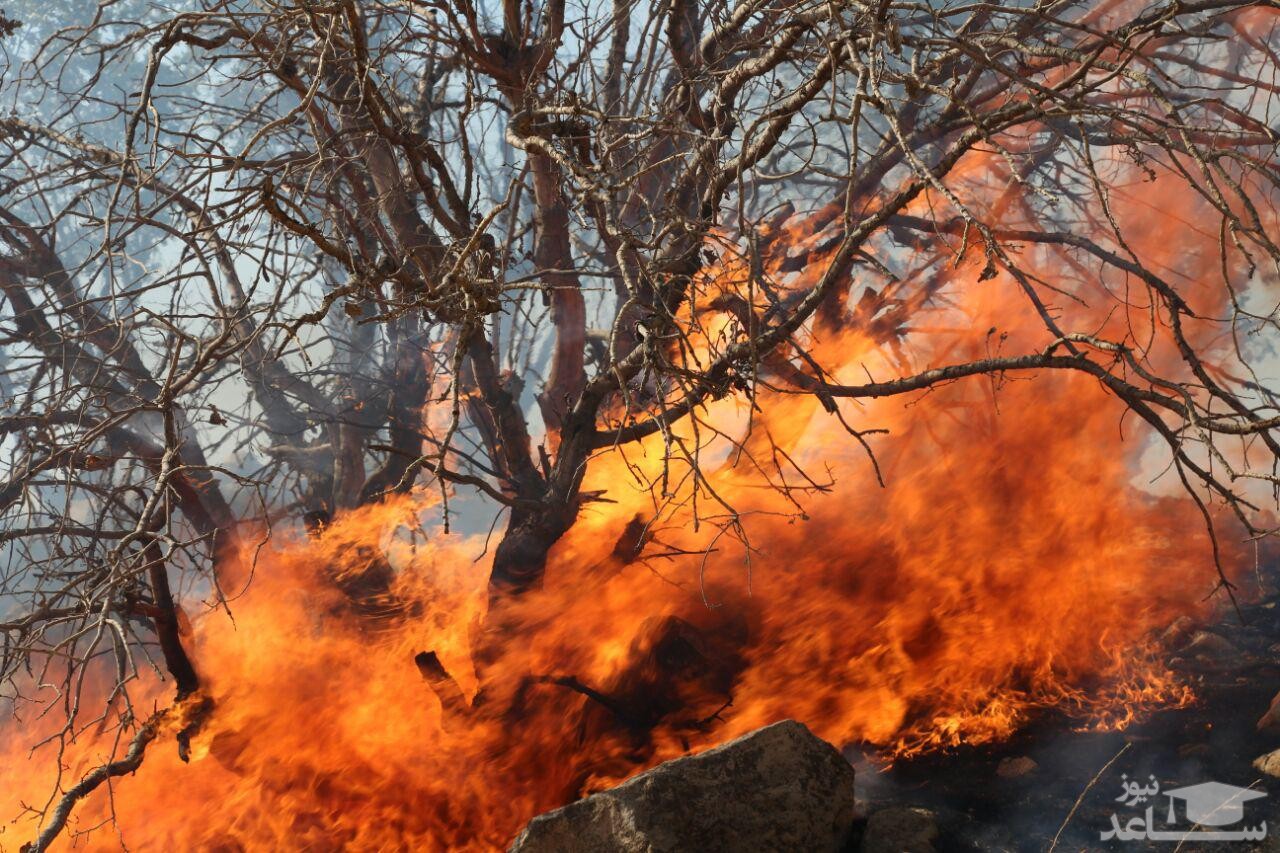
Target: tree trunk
[(521, 557)]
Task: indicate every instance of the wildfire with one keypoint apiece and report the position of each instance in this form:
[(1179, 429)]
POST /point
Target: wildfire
[(1013, 560)]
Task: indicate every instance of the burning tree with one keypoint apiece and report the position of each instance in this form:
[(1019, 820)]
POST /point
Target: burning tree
[(360, 262)]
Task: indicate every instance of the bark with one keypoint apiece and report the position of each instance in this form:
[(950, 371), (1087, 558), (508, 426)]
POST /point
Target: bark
[(94, 779), (521, 557), (165, 622), (553, 256), (411, 383)]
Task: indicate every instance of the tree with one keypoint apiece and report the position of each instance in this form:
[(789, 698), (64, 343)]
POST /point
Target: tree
[(264, 260)]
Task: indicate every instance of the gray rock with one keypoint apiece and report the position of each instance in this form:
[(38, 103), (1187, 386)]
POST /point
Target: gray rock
[(777, 788), (900, 830)]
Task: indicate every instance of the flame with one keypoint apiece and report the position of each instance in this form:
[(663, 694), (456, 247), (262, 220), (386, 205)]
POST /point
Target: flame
[(1015, 559)]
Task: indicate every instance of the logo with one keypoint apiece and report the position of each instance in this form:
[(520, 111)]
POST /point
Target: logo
[(1205, 810)]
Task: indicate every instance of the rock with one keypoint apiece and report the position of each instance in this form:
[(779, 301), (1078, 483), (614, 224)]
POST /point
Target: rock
[(1177, 631), (1013, 768), (1211, 647), (777, 788), (1269, 763), (1270, 721), (900, 830)]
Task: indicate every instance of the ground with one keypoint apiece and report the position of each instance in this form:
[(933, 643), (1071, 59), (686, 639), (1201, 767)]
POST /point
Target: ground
[(1216, 738)]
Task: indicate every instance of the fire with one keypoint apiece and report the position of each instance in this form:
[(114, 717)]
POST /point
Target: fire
[(1015, 559)]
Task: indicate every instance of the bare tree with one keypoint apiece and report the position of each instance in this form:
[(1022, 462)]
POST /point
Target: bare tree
[(248, 248)]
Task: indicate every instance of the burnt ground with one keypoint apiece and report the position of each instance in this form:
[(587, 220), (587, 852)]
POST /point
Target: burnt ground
[(1214, 739)]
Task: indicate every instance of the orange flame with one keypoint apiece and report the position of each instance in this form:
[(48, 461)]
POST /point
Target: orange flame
[(1014, 560)]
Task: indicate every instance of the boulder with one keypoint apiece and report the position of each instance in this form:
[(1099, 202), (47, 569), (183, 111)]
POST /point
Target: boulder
[(777, 788), (900, 829)]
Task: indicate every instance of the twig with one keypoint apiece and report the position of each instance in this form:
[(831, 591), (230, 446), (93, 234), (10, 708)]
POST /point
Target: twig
[(1076, 805)]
